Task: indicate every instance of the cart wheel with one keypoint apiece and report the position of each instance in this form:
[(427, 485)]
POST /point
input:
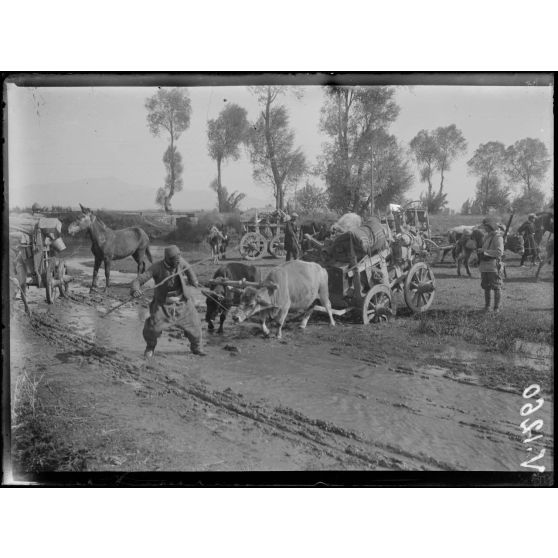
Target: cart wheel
[(276, 246), (419, 288), (50, 287), (434, 253), (252, 246), (378, 305), (62, 286)]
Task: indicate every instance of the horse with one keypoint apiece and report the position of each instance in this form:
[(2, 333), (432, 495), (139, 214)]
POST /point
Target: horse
[(108, 245), (465, 247)]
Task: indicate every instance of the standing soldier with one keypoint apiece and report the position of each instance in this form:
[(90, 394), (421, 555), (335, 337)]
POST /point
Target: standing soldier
[(171, 304), (291, 237), (490, 263), (528, 232)]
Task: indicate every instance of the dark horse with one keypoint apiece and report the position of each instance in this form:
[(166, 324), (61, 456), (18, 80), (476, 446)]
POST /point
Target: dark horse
[(108, 245), (466, 246)]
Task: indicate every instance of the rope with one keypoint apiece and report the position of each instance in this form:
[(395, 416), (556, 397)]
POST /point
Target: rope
[(150, 289)]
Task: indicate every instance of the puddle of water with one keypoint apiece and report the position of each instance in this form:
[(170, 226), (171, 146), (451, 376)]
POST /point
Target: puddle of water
[(122, 330)]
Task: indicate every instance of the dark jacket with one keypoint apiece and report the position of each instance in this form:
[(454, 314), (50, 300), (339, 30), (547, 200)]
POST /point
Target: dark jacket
[(527, 228), (291, 235), (159, 271)]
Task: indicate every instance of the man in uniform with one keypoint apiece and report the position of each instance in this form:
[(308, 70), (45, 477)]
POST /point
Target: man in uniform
[(528, 232), (171, 304), (490, 263), (291, 238)]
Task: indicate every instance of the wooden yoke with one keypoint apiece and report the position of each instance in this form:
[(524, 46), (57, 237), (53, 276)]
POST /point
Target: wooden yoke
[(238, 284)]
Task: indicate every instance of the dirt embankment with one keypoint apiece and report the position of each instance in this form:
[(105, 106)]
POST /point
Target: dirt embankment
[(442, 392)]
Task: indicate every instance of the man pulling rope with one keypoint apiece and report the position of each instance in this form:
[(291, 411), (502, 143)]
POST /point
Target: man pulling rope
[(172, 302)]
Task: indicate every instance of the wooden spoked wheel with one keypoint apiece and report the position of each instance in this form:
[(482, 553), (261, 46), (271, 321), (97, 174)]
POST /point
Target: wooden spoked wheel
[(276, 246), (62, 286), (51, 276), (378, 305), (252, 246), (419, 288)]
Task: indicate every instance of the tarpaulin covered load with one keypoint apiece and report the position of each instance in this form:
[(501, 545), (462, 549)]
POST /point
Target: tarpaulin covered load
[(368, 239)]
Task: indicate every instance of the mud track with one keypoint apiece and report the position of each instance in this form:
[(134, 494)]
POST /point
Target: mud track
[(347, 447)]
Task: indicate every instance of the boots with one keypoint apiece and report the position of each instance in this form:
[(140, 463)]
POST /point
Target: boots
[(487, 300), (497, 299)]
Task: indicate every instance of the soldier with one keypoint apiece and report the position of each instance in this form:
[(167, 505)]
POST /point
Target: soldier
[(528, 232), (171, 304), (291, 238), (490, 263)]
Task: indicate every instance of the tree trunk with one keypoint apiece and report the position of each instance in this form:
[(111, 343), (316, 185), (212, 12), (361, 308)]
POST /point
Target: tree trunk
[(441, 179), (219, 187)]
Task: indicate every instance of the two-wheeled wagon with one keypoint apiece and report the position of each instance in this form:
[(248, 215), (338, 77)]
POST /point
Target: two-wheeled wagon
[(38, 263), (264, 232)]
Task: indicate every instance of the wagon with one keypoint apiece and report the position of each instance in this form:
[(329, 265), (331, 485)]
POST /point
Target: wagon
[(414, 216), (38, 263), (265, 232), (367, 285)]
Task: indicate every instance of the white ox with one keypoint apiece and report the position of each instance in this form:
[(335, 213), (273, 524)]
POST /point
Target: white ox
[(346, 222), (293, 285)]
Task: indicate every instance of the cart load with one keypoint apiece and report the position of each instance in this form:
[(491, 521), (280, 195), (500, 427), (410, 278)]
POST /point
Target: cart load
[(368, 239)]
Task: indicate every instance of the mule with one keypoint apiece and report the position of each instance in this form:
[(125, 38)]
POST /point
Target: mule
[(108, 245)]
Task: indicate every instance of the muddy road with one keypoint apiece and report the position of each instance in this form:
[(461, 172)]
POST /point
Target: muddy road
[(399, 396)]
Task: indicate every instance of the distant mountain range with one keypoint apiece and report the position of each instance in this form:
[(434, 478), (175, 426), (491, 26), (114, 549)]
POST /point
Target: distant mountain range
[(113, 193)]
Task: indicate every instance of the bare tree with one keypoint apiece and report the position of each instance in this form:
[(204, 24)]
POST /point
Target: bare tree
[(225, 134), (169, 111), (354, 118), (425, 151), (450, 143), (527, 162), (271, 143), (487, 163)]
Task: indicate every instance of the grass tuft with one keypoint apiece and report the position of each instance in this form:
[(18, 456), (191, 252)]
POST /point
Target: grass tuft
[(500, 331)]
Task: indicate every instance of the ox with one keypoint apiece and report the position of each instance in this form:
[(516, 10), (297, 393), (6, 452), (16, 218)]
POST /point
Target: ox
[(221, 298), (294, 285)]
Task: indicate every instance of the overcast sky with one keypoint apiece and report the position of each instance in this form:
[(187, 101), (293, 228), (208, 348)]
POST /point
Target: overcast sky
[(62, 138)]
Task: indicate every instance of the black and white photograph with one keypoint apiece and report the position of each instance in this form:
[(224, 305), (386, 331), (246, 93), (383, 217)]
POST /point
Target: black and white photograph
[(272, 272)]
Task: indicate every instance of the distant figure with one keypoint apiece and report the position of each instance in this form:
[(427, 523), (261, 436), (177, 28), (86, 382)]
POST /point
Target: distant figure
[(215, 238), (527, 229), (490, 263), (292, 246)]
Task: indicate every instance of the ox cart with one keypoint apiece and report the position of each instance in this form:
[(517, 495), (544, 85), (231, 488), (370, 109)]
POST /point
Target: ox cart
[(365, 276), (264, 232), (37, 260)]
